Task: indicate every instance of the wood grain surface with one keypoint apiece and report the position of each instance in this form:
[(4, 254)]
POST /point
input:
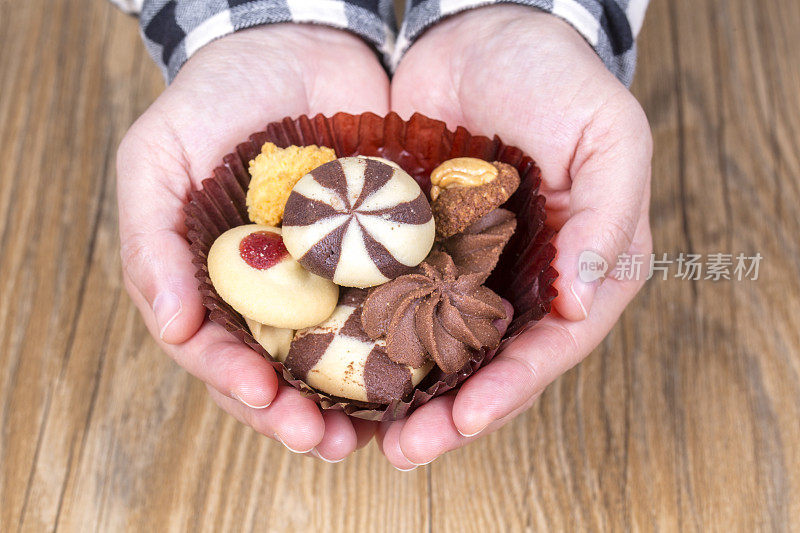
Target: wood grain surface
[(687, 417)]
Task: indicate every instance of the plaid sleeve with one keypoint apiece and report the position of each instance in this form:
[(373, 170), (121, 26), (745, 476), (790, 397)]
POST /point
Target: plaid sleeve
[(173, 30), (609, 26)]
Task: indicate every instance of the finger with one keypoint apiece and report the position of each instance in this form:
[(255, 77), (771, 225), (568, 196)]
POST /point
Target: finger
[(537, 357), (159, 265), (291, 419), (340, 439), (430, 431), (231, 367), (155, 255), (221, 361), (388, 434), (610, 173), (388, 437)]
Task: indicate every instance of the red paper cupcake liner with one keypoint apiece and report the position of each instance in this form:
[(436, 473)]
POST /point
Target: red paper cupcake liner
[(523, 276)]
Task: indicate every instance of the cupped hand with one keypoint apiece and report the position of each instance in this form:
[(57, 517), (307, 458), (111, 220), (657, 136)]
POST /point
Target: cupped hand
[(226, 91), (530, 78)]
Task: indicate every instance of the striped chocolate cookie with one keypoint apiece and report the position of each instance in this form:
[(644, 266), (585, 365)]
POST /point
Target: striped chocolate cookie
[(358, 221), (338, 358)]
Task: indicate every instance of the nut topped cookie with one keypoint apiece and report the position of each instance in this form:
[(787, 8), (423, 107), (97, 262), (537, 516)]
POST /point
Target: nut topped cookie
[(468, 190), (461, 172)]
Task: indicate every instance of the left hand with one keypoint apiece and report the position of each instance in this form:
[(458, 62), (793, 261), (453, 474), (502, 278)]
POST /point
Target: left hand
[(530, 78), (227, 90)]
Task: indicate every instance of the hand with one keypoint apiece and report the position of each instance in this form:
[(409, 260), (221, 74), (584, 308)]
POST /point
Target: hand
[(227, 90), (530, 78)]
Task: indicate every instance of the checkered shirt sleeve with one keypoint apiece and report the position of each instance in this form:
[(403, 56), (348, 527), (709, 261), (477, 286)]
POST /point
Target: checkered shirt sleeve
[(174, 29), (609, 26)]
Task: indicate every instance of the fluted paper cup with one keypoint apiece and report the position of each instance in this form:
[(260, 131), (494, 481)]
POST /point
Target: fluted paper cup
[(523, 276)]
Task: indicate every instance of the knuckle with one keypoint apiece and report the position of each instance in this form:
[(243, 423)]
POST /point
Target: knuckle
[(527, 368), (618, 231), (638, 124), (559, 339), (229, 366), (143, 146), (613, 234), (133, 252), (141, 253), (624, 122), (554, 342)]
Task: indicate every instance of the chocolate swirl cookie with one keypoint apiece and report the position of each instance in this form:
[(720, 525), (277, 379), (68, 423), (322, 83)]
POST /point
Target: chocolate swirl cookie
[(477, 249), (358, 221), (434, 313)]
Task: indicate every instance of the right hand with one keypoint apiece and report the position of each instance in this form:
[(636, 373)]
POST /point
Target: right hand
[(229, 89), (531, 79)]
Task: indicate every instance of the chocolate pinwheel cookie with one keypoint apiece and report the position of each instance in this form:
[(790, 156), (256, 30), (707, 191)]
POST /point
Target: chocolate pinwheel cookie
[(358, 221), (372, 274)]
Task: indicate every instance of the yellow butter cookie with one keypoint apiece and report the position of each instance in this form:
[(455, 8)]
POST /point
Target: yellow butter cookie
[(274, 172)]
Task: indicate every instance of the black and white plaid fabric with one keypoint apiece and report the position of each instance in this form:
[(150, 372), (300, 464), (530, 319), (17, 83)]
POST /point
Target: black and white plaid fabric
[(174, 29), (610, 26)]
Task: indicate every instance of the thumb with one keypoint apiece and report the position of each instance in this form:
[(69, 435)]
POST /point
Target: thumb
[(159, 266), (609, 188), (156, 259)]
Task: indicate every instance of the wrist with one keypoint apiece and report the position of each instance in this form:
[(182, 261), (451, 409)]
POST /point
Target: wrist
[(496, 40), (175, 31), (287, 51), (511, 25), (586, 25)]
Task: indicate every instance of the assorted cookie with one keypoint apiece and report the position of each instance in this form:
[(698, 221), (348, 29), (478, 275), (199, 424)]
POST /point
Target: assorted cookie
[(337, 357), (276, 341), (358, 221), (273, 174), (437, 313), (477, 249), (252, 271), (466, 192), (367, 284)]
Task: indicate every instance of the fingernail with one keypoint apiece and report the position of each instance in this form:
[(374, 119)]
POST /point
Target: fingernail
[(405, 469), (166, 307), (237, 397), (582, 293), (279, 439), (412, 462), (318, 455), (471, 434)]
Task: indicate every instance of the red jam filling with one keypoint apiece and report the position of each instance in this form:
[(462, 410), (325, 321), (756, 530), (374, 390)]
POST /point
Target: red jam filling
[(262, 249)]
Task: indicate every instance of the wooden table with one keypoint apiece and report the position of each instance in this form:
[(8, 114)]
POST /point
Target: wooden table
[(686, 417)]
